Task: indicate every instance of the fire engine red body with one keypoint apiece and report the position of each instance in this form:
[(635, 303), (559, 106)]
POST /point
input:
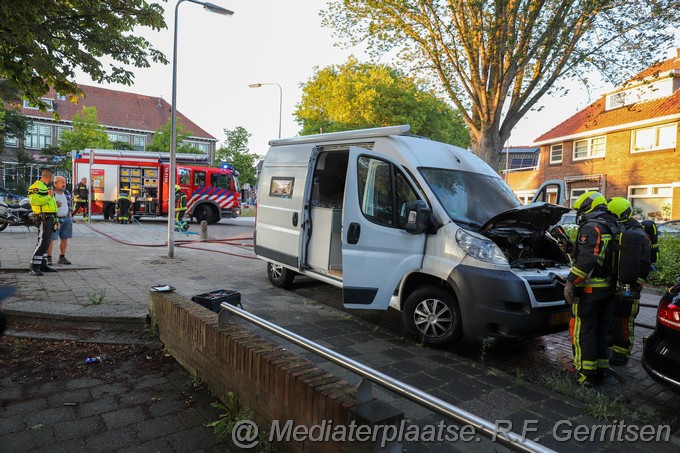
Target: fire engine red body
[(212, 193)]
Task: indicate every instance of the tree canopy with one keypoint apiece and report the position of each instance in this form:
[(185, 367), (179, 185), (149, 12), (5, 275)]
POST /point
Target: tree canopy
[(162, 139), (87, 132), (358, 95), (496, 59), (235, 152), (42, 42)]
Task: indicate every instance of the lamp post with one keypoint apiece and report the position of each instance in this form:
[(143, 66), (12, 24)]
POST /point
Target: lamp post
[(258, 85), (173, 143)]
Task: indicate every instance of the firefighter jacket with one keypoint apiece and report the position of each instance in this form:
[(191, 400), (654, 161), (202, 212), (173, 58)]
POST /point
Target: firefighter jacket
[(41, 200), (645, 263), (81, 193), (593, 264), (180, 201)]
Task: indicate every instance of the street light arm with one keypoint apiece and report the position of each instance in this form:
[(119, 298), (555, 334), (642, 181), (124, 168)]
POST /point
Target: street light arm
[(258, 85)]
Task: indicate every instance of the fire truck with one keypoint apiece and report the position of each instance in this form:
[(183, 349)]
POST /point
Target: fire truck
[(212, 193)]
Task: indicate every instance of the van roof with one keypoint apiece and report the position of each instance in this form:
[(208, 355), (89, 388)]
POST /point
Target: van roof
[(346, 135)]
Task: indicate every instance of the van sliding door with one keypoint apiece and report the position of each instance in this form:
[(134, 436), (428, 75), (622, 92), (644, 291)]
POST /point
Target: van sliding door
[(376, 249)]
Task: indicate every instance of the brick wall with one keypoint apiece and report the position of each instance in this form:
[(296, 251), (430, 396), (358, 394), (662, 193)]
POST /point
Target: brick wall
[(274, 383)]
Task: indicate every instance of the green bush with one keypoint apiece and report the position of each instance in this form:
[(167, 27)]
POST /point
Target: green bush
[(668, 266)]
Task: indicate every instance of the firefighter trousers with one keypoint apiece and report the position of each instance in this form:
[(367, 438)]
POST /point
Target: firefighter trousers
[(623, 323), (591, 318), (123, 210), (45, 229), (179, 214)]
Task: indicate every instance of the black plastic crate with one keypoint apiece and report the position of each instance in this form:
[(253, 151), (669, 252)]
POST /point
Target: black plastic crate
[(212, 300)]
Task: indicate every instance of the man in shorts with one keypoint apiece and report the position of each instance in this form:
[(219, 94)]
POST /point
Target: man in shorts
[(64, 220)]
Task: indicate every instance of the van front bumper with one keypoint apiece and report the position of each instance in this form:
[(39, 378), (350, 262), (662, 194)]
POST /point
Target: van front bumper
[(498, 303)]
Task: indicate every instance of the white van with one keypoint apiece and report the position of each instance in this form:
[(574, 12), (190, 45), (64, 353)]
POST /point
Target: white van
[(422, 226)]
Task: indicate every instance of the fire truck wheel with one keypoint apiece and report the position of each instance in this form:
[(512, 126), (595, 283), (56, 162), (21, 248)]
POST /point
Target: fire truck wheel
[(279, 276), (110, 212), (203, 212)]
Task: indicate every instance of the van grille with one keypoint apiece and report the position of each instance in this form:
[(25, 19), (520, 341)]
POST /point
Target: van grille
[(548, 293)]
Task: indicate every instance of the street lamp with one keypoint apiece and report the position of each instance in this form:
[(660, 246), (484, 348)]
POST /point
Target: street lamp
[(173, 130), (258, 85)]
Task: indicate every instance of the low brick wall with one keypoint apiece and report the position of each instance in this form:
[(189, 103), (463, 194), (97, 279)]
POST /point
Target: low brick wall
[(274, 383)]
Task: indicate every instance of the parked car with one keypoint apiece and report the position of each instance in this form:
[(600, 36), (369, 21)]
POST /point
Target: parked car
[(670, 227), (661, 352), (9, 197)]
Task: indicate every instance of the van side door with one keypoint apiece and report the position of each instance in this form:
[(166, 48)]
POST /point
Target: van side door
[(376, 249)]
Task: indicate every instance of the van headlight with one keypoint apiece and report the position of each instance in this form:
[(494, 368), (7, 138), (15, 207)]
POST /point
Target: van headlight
[(479, 247)]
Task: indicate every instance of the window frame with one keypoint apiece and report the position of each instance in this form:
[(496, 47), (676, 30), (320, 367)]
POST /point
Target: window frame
[(656, 129), (50, 102), (552, 150), (37, 126), (589, 150)]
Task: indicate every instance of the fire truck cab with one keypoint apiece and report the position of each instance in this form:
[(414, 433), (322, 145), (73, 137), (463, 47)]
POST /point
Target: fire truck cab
[(212, 193)]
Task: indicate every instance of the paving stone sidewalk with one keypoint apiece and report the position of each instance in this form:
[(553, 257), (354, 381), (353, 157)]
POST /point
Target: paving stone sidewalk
[(124, 273)]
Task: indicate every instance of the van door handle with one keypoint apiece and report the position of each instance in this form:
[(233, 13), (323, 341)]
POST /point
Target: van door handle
[(295, 219), (353, 233)]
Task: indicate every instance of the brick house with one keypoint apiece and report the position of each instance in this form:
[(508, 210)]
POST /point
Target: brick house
[(624, 144), (127, 117)]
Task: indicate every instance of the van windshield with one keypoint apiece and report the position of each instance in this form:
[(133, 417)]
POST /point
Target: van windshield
[(469, 197)]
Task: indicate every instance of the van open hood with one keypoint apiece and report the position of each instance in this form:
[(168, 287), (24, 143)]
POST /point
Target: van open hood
[(534, 216)]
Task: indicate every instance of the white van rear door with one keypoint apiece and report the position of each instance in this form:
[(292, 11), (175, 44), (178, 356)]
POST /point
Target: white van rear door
[(376, 251)]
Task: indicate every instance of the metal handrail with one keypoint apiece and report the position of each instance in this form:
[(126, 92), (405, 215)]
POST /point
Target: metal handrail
[(506, 438)]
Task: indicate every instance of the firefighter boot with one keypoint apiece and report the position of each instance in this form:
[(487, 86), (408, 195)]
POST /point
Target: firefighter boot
[(35, 270)]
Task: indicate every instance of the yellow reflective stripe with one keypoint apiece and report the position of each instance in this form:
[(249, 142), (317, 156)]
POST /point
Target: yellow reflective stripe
[(577, 336), (589, 365), (594, 284), (603, 363), (620, 350), (579, 272)]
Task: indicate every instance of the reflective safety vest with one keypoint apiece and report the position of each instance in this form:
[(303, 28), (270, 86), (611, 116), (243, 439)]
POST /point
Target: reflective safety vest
[(41, 200)]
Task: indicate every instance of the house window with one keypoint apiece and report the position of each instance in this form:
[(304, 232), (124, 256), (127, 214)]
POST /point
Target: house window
[(652, 201), (653, 138), (60, 130), (11, 142), (589, 148), (116, 137), (48, 102), (201, 147), (61, 97), (575, 193), (140, 142), (38, 136), (556, 154)]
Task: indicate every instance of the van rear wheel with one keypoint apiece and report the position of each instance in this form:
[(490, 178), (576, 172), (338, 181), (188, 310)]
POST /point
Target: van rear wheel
[(431, 314), (279, 276)]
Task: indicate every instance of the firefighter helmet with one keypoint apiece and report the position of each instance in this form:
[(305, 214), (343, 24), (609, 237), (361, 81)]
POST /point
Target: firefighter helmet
[(621, 208), (587, 202)]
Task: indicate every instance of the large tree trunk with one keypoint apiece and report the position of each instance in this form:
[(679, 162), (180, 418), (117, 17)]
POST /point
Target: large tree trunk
[(488, 146)]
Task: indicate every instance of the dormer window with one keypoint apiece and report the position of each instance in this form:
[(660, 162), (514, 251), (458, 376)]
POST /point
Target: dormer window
[(48, 102), (640, 93)]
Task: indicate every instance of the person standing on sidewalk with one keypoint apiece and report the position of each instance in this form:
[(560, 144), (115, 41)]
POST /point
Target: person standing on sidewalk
[(80, 199), (589, 288), (63, 219), (44, 208)]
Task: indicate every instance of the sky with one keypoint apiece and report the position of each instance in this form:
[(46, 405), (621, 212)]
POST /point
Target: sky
[(271, 41)]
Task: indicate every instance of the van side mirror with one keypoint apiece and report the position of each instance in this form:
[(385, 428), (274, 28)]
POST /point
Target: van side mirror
[(418, 217)]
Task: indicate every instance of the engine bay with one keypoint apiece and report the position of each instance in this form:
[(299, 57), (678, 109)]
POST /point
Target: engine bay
[(529, 249)]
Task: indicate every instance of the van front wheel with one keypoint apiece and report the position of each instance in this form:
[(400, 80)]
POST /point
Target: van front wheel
[(432, 316), (279, 276)]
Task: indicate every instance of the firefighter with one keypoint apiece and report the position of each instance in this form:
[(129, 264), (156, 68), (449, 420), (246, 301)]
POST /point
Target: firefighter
[(180, 203), (80, 199), (633, 266), (123, 206), (44, 208), (589, 288)]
